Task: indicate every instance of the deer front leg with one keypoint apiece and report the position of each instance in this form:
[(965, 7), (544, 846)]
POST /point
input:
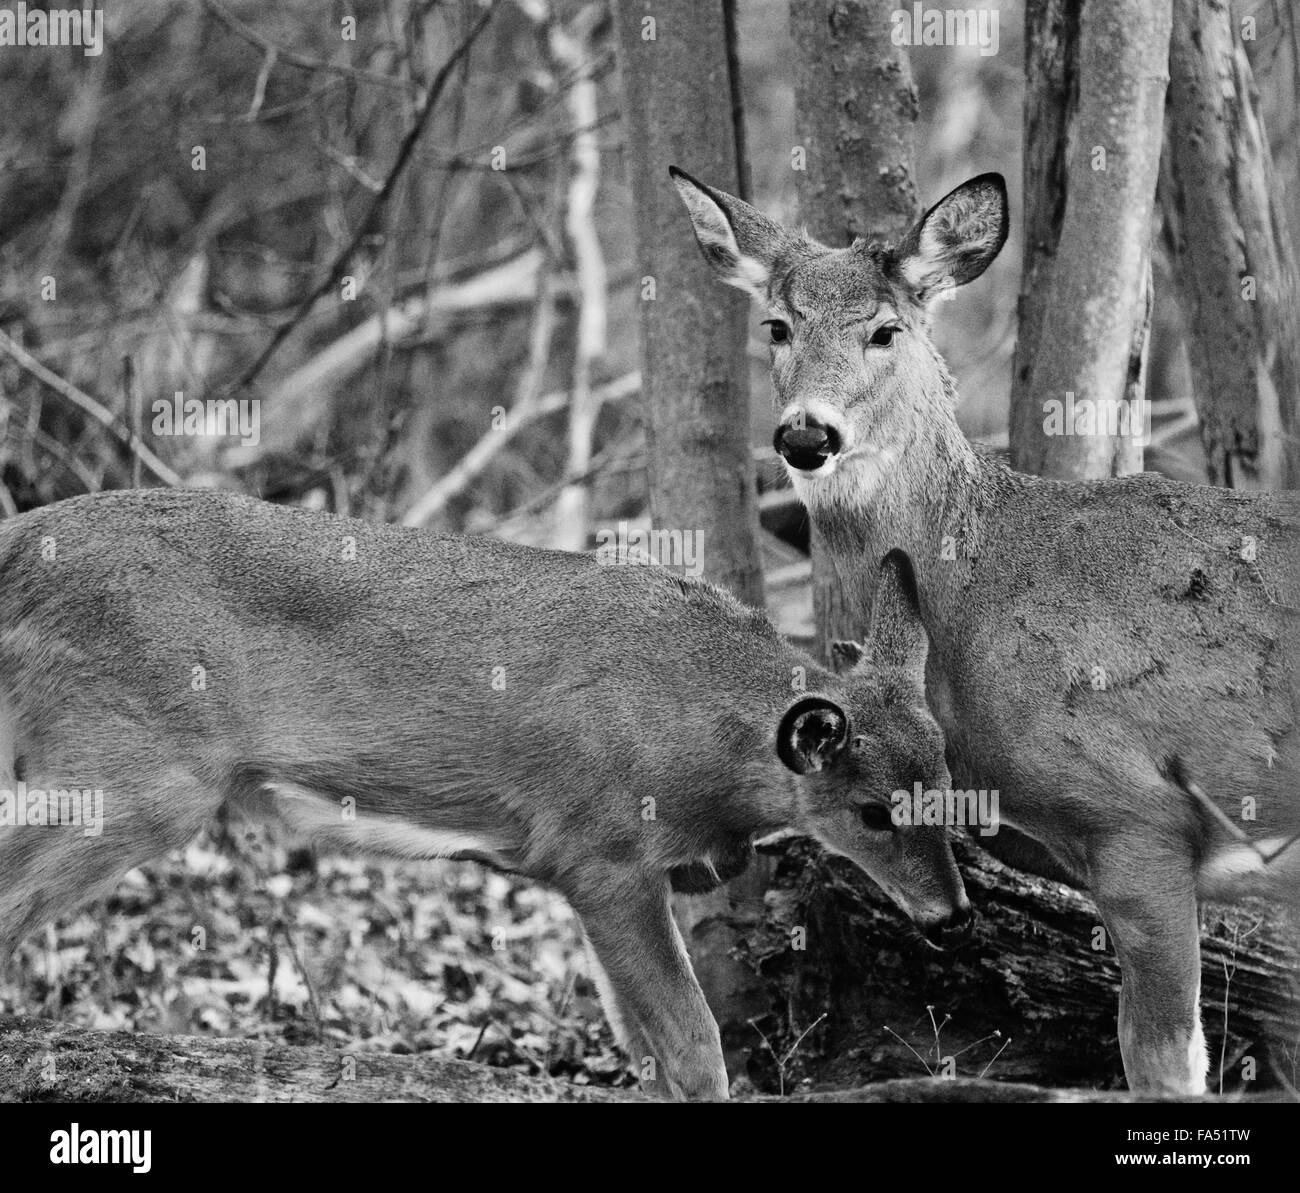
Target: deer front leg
[(627, 1028), (629, 925), (1149, 908)]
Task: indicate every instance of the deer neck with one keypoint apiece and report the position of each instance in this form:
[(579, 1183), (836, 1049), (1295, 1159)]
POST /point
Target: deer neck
[(927, 494)]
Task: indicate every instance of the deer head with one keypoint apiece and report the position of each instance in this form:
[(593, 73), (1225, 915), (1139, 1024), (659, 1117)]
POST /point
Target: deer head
[(853, 367)]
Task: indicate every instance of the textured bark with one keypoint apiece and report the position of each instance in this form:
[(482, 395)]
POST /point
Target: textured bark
[(855, 115), (1038, 970), (1096, 81), (42, 1061), (1225, 224), (682, 106), (679, 110)]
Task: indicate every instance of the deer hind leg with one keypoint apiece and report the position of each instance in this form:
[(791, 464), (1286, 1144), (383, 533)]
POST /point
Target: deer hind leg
[(652, 993), (1148, 904)]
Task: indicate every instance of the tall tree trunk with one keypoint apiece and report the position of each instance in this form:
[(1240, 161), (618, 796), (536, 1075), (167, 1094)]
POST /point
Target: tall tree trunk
[(682, 105), (1232, 258), (855, 115), (1094, 104)]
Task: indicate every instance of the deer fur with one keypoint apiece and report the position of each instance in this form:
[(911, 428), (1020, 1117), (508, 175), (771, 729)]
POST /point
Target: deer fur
[(607, 730), (1117, 657)]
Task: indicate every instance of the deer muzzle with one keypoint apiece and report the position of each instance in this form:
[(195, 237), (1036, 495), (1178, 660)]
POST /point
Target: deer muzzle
[(951, 931), (806, 443)]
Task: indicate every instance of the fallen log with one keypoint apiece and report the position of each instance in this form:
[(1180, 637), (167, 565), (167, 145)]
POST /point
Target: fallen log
[(1032, 998), (44, 1061)]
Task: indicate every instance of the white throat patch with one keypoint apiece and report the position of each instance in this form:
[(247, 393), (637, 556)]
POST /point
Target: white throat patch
[(850, 480)]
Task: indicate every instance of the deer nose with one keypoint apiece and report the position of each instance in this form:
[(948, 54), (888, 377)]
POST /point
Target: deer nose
[(805, 443), (955, 930)]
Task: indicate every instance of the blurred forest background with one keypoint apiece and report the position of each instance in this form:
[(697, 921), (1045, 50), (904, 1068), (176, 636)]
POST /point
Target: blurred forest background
[(239, 200)]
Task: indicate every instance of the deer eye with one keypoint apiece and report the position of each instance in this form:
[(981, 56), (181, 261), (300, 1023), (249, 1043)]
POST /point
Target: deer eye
[(883, 336), (778, 329), (876, 817)]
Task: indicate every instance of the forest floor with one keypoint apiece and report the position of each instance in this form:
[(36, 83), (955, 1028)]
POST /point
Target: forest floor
[(244, 937), (238, 936)]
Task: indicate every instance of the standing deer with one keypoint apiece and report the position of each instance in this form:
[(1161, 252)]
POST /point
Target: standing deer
[(607, 730), (1117, 657)]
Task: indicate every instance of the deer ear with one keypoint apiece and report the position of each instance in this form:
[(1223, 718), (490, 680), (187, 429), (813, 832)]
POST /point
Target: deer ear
[(898, 636), (812, 732), (954, 242), (739, 243), (845, 656)]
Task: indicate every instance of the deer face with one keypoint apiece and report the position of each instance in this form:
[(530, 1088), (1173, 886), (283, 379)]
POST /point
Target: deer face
[(851, 763), (855, 753), (852, 363)]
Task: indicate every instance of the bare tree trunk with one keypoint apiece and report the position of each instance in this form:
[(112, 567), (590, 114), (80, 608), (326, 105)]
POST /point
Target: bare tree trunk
[(1232, 258), (1094, 104), (681, 96), (855, 112)]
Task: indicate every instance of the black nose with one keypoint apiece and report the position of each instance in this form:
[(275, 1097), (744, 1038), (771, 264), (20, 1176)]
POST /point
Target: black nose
[(955, 930), (806, 443)]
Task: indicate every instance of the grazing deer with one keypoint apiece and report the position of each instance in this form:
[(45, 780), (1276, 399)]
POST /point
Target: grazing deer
[(1117, 657), (607, 730)]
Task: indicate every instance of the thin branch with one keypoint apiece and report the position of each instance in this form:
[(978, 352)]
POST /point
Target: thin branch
[(264, 115), (301, 61), (626, 457), (51, 446), (89, 407), (571, 47), (303, 396), (89, 100), (349, 164), (527, 393), (404, 153), (925, 1063), (991, 1063), (135, 410), (481, 454), (259, 88), (1221, 818)]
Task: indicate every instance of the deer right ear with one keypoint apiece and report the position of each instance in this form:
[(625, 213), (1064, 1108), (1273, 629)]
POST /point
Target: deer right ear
[(813, 731), (898, 635), (845, 655), (740, 244), (955, 241)]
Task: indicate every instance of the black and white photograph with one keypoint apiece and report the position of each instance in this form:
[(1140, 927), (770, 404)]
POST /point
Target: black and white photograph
[(650, 551)]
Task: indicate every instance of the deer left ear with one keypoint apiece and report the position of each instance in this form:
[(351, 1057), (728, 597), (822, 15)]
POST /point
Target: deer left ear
[(957, 239), (812, 732)]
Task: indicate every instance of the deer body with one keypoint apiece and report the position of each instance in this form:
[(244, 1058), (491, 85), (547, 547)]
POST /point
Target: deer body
[(1095, 647), (606, 730), (1175, 667), (1113, 656)]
